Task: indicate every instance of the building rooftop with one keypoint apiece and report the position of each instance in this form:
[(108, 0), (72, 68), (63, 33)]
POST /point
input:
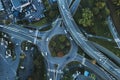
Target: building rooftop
[(1, 6), (24, 9), (19, 3), (52, 1)]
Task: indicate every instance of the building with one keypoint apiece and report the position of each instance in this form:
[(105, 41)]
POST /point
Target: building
[(30, 10), (1, 6), (52, 1), (82, 77), (20, 4)]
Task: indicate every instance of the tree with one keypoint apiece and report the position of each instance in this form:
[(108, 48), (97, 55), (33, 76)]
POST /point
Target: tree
[(116, 3), (100, 4), (117, 12), (117, 6), (87, 17), (100, 10), (62, 38), (107, 11), (96, 10)]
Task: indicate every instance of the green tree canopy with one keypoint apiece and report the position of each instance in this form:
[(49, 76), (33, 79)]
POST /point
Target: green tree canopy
[(116, 2), (100, 4), (87, 17)]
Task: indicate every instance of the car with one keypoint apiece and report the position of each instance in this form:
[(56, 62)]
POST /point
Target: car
[(5, 35), (47, 39), (2, 43), (32, 48), (63, 6), (46, 53), (86, 73), (65, 31), (68, 58), (30, 16), (10, 42), (1, 26), (22, 67), (34, 7), (42, 53), (39, 38), (17, 44), (12, 37), (6, 42), (6, 56), (5, 46), (1, 40), (70, 38), (26, 48), (30, 31), (8, 53), (39, 1), (29, 41)]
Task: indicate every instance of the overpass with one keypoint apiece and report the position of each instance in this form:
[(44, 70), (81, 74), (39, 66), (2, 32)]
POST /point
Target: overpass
[(84, 43)]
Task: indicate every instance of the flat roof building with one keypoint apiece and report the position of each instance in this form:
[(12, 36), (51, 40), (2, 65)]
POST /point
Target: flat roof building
[(19, 4), (52, 1), (1, 6)]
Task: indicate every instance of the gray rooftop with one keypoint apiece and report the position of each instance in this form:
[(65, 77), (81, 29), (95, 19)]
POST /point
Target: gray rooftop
[(1, 6)]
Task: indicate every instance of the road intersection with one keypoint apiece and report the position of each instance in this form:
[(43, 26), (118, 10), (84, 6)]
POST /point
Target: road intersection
[(19, 34)]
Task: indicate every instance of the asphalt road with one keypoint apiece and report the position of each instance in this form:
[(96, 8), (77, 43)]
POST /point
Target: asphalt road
[(113, 31), (83, 42), (70, 29)]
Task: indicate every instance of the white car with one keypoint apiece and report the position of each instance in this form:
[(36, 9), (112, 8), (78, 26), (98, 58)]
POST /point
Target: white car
[(8, 54), (65, 31), (5, 35), (70, 38), (17, 44), (47, 39), (2, 43), (46, 53), (42, 53), (6, 42), (30, 16), (5, 46), (10, 42), (22, 67), (30, 31), (26, 48), (29, 41)]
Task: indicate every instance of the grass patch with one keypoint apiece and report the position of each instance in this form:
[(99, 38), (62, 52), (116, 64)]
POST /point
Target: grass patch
[(39, 23), (102, 30), (109, 45)]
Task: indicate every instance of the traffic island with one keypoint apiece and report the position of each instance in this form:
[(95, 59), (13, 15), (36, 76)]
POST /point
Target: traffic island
[(59, 46)]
